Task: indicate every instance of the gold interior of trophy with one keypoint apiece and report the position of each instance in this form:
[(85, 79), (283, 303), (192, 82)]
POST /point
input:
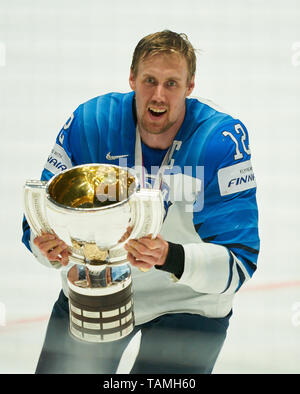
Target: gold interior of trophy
[(92, 186)]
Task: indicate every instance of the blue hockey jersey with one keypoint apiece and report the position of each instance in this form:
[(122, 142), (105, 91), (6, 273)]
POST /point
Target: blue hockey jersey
[(209, 190)]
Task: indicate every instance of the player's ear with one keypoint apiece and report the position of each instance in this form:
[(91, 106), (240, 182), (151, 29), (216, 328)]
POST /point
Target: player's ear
[(132, 80), (191, 85)]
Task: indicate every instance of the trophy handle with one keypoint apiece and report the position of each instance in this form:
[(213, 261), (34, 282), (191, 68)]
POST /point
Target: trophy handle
[(35, 207), (36, 215), (147, 212)]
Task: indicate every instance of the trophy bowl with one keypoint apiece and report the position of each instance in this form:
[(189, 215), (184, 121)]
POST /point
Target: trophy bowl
[(95, 209), (90, 207)]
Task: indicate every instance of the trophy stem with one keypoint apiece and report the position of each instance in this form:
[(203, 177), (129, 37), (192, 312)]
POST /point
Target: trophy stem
[(100, 303)]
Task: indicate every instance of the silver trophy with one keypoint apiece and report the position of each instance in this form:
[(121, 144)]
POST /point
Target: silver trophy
[(95, 209)]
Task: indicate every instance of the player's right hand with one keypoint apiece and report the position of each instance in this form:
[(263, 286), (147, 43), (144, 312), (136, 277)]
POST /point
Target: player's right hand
[(52, 247)]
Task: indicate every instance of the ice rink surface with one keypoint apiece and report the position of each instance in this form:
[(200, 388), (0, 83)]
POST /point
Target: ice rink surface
[(56, 54)]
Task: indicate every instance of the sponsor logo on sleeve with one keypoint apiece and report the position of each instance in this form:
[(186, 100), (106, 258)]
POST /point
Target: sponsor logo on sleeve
[(58, 160), (236, 178)]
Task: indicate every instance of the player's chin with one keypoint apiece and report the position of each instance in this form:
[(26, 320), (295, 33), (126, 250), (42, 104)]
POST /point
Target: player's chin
[(156, 126), (156, 129)]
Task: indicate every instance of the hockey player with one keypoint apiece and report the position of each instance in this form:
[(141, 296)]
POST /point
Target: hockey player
[(209, 243)]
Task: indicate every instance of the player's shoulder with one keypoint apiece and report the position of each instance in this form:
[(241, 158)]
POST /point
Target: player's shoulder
[(207, 115), (225, 150), (221, 135), (106, 101), (103, 109)]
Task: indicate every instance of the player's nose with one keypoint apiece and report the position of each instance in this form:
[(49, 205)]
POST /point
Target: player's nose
[(158, 94)]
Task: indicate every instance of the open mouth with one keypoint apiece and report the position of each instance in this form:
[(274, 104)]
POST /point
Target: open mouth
[(157, 112)]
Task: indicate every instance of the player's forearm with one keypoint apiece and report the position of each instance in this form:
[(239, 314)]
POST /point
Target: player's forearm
[(205, 267)]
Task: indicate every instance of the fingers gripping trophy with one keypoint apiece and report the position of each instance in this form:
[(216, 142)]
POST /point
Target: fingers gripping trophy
[(95, 209)]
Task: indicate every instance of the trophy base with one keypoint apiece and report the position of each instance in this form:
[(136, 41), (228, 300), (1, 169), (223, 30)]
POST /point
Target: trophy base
[(101, 310)]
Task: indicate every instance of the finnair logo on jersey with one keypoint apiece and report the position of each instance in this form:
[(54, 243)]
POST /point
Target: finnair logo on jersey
[(241, 180), (57, 164), (58, 160), (236, 178)]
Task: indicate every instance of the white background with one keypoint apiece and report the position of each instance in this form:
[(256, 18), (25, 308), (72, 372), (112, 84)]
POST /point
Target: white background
[(56, 54)]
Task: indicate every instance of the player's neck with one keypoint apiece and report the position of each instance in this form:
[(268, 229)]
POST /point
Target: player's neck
[(156, 141)]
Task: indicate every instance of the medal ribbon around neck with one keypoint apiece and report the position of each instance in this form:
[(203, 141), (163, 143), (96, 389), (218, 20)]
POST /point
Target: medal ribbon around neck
[(140, 167)]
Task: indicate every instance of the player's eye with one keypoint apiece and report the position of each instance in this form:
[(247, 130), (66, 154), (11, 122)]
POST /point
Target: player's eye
[(171, 83), (150, 80)]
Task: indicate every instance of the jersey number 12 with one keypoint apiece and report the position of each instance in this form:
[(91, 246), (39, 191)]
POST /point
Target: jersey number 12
[(239, 130)]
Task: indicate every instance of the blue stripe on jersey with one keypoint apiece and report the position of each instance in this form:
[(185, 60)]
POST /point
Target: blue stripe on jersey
[(231, 260), (26, 233), (241, 277)]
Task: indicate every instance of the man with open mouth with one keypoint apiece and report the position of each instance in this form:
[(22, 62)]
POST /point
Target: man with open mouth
[(208, 245), (161, 83)]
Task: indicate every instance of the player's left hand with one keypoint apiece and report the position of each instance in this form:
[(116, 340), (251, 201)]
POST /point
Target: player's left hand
[(146, 252)]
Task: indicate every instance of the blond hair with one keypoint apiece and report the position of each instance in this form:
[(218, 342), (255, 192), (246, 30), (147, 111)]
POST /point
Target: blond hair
[(165, 41)]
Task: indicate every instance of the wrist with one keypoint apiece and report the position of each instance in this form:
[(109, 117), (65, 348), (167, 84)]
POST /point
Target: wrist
[(165, 254), (174, 261)]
